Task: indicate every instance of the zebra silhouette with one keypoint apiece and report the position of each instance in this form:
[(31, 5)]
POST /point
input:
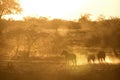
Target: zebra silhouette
[(101, 56), (70, 57), (91, 58)]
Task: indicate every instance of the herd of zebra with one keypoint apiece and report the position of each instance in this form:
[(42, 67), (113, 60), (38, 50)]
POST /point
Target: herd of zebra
[(70, 57)]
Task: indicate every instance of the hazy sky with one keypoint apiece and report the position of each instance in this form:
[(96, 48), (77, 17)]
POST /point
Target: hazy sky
[(69, 9)]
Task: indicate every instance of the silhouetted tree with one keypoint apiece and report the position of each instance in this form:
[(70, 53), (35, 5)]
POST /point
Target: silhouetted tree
[(2, 38), (101, 18), (32, 35), (105, 33), (9, 7), (17, 37), (84, 18), (113, 35)]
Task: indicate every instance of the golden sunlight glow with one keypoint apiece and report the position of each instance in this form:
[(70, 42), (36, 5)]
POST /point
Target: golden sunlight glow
[(112, 60), (81, 60), (68, 9)]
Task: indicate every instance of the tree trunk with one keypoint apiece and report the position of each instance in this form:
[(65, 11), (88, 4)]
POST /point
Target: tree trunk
[(0, 17), (29, 50), (16, 53)]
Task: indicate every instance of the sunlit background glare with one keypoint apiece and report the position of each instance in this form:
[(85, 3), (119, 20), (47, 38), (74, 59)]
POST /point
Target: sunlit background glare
[(69, 9)]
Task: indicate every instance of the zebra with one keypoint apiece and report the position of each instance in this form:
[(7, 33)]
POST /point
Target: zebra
[(91, 58), (70, 57), (101, 56)]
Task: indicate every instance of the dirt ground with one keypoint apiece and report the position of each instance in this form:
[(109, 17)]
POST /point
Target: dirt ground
[(56, 71)]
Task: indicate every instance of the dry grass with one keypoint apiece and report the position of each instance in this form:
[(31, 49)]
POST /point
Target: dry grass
[(58, 71)]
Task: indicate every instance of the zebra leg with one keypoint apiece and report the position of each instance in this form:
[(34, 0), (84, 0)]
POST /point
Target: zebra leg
[(93, 60), (100, 60), (67, 62), (75, 62), (104, 58)]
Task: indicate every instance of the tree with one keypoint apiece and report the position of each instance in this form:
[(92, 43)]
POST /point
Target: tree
[(2, 38), (32, 36), (17, 36), (9, 7), (114, 35), (105, 34), (84, 18)]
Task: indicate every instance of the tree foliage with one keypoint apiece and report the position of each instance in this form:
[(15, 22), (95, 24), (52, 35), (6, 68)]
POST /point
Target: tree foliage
[(105, 34), (9, 7), (40, 36)]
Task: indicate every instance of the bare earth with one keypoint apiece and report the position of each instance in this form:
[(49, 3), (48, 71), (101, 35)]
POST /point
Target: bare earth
[(56, 71)]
